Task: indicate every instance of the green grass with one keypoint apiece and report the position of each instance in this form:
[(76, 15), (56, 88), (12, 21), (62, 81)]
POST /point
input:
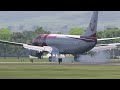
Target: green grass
[(59, 71), (15, 59), (55, 71)]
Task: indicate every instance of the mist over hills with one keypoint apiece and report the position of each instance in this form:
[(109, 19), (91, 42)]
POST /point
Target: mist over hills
[(55, 21)]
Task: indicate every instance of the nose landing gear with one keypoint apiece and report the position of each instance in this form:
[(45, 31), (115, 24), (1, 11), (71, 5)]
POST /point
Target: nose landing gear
[(55, 58), (59, 60)]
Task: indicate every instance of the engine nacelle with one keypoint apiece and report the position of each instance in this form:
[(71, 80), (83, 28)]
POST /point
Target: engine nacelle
[(36, 54)]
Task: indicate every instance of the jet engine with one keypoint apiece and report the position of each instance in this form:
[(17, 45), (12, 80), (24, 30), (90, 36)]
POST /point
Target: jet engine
[(36, 54)]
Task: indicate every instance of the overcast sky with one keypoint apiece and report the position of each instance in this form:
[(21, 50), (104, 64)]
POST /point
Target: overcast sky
[(52, 18)]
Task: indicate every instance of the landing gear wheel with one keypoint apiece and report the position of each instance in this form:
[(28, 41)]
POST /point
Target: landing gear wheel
[(59, 60), (76, 58), (50, 59)]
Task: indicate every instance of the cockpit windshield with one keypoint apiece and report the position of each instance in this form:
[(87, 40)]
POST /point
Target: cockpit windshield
[(40, 40), (36, 40)]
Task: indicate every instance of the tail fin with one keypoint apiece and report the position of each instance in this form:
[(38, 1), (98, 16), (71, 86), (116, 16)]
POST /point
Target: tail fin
[(91, 30)]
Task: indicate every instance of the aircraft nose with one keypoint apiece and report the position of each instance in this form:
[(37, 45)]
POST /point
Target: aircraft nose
[(35, 42)]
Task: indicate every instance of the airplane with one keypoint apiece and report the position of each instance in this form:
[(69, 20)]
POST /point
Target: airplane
[(76, 45)]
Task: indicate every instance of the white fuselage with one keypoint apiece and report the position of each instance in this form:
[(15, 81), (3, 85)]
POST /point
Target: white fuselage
[(66, 44)]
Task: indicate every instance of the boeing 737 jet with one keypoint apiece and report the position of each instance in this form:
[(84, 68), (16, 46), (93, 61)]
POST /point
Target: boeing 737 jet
[(56, 44)]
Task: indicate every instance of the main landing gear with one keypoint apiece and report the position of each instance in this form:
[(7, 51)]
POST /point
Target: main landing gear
[(59, 60), (55, 58), (76, 58)]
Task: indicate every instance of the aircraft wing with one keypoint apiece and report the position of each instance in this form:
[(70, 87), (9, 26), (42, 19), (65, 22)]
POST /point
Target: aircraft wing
[(38, 48), (102, 47), (104, 39), (29, 47), (12, 43)]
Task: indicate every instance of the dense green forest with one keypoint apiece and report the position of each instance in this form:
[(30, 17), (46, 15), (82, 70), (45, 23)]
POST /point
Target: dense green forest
[(27, 37)]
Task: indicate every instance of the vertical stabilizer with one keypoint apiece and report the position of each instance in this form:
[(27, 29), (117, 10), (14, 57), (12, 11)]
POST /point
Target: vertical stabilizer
[(92, 28)]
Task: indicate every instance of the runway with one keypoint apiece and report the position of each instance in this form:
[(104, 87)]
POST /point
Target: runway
[(54, 63)]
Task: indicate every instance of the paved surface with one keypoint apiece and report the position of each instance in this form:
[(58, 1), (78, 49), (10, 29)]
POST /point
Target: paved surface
[(53, 63)]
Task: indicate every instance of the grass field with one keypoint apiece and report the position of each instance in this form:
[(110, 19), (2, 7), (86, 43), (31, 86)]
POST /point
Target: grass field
[(15, 59), (59, 71), (40, 70)]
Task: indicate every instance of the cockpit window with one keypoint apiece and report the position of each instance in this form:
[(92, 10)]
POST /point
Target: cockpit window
[(36, 40)]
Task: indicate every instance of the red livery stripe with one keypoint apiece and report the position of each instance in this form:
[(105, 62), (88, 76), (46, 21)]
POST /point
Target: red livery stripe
[(51, 36)]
